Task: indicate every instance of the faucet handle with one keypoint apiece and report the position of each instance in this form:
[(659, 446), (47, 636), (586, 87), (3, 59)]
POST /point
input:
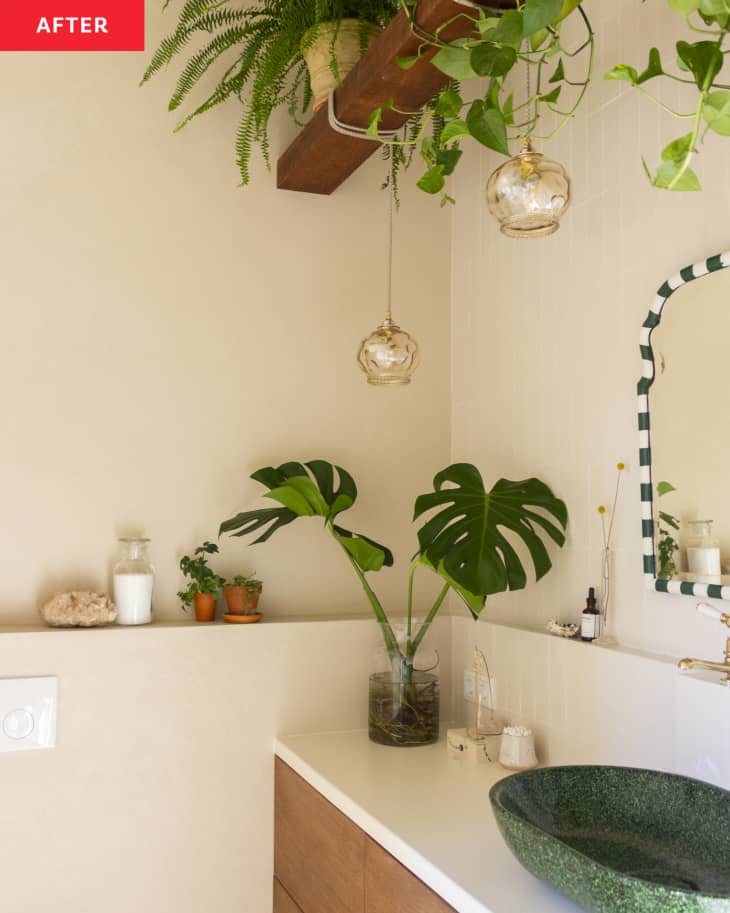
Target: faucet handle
[(710, 611)]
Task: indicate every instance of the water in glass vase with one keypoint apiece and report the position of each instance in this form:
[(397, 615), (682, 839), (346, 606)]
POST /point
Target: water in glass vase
[(403, 708)]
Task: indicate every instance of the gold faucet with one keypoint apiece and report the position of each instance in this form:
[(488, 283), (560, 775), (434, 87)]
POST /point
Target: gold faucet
[(686, 664)]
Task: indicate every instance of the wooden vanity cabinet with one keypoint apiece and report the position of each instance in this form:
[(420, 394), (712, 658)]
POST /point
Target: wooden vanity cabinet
[(391, 888), (282, 902), (319, 854), (324, 863)]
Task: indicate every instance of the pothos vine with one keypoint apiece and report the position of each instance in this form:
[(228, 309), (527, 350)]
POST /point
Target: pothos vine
[(530, 39), (699, 64), (258, 48)]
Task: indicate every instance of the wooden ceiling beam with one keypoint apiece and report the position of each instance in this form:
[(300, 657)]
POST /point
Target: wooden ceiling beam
[(320, 158)]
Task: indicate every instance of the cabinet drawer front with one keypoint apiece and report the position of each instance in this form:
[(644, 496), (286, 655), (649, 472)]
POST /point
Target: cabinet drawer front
[(319, 854), (391, 888), (282, 902)]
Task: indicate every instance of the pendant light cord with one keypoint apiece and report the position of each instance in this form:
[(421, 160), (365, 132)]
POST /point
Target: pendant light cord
[(530, 116), (388, 313)]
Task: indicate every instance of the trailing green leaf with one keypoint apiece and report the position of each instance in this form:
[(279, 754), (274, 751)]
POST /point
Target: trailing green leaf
[(670, 176), (538, 14), (455, 61), (559, 74), (487, 126), (678, 149), (703, 59), (433, 180), (509, 29), (684, 7), (449, 103), (716, 112), (454, 130), (552, 96), (492, 60)]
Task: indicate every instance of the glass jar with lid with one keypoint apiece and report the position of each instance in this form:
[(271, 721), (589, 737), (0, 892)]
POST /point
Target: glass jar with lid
[(703, 550), (134, 579)]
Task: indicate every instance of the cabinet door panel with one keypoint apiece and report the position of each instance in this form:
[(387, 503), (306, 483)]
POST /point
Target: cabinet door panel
[(282, 902), (391, 888), (319, 854)]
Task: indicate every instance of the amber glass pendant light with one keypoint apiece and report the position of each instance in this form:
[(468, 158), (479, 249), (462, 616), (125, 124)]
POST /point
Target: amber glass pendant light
[(528, 194), (389, 355)]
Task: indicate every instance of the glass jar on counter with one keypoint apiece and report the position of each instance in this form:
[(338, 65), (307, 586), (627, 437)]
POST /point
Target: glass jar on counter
[(703, 550), (134, 580)]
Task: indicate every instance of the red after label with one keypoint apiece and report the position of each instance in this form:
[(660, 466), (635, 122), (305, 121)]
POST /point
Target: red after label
[(72, 25)]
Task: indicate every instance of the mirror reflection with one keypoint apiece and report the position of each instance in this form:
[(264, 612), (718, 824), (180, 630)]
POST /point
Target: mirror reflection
[(690, 433)]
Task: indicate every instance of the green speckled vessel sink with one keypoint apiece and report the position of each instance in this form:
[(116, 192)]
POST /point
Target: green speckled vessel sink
[(619, 839)]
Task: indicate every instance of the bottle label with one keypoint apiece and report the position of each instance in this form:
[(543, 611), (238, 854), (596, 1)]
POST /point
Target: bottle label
[(589, 626)]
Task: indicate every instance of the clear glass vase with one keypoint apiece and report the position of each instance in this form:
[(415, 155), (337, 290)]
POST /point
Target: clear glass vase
[(134, 580), (403, 709), (404, 697)]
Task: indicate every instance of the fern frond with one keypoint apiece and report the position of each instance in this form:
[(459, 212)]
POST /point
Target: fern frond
[(244, 143), (173, 44), (219, 19), (268, 71), (222, 92), (198, 64)]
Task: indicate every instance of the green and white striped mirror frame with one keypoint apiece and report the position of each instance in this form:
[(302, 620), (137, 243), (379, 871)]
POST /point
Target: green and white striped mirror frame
[(683, 587)]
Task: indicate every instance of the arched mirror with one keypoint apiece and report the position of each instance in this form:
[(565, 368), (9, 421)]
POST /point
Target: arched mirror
[(684, 427)]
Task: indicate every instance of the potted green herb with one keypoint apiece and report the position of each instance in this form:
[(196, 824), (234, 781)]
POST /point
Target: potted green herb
[(259, 51), (667, 545), (205, 585), (242, 594), (464, 543)]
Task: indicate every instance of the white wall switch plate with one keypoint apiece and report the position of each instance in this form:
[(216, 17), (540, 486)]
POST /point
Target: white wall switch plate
[(28, 713)]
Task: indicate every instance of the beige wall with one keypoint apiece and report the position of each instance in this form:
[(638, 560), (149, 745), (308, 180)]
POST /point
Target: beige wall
[(545, 333), (159, 795), (166, 334)]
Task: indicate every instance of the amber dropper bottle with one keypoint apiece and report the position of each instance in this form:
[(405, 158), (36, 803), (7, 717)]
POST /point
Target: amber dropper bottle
[(591, 618)]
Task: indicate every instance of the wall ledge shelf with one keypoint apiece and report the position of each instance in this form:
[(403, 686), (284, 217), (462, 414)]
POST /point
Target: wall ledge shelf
[(185, 624), (320, 159)]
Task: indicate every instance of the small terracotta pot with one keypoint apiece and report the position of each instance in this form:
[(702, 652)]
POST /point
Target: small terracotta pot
[(242, 600), (204, 604)]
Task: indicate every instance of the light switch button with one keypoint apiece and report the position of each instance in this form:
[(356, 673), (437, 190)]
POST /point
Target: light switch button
[(18, 724), (28, 713)]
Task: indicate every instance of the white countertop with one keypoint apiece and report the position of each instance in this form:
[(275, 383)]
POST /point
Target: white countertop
[(430, 811)]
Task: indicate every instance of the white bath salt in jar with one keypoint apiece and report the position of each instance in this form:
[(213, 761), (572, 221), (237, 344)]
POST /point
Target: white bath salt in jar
[(703, 550), (134, 580)]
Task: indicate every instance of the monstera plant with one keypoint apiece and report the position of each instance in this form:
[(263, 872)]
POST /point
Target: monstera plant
[(466, 541)]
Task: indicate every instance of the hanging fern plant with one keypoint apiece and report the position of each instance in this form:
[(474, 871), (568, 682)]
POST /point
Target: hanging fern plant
[(259, 53)]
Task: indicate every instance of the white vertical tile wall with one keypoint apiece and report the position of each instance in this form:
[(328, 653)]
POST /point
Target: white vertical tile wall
[(545, 333), (592, 705)]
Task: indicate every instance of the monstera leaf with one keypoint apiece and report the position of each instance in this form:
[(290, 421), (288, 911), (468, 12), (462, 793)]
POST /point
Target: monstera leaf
[(313, 489), (465, 541)]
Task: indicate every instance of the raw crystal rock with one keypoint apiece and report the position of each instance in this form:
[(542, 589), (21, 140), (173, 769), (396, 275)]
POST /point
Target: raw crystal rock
[(78, 610)]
